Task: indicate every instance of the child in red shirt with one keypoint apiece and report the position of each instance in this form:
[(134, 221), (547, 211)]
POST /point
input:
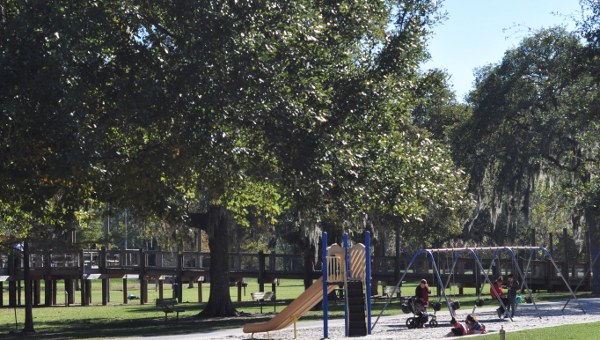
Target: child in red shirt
[(496, 293), (458, 328)]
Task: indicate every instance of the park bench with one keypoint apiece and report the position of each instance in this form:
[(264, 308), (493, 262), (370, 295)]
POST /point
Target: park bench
[(387, 293), (169, 306), (262, 298)]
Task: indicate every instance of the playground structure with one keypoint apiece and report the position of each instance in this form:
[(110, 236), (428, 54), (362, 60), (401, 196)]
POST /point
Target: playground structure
[(457, 252), (346, 266)]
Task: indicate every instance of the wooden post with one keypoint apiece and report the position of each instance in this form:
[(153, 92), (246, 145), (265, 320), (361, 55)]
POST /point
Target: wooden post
[(589, 258), (199, 291), (143, 282), (82, 286), (70, 291), (88, 292), (274, 290), (261, 271), (398, 258), (19, 289), (1, 294), (239, 290), (36, 292), (12, 285), (48, 292), (125, 300), (54, 291), (104, 291), (180, 277), (104, 279), (565, 268), (161, 286), (549, 268)]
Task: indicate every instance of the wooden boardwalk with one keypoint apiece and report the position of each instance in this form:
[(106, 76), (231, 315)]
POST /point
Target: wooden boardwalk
[(98, 266)]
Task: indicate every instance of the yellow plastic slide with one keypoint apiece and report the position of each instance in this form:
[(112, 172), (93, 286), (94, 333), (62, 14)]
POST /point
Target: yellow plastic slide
[(305, 302)]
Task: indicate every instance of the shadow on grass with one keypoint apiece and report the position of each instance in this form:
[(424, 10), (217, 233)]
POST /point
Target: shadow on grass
[(86, 329), (152, 326)]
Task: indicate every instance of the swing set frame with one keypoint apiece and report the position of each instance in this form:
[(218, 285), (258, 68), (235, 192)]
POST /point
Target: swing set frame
[(473, 251), (590, 270)]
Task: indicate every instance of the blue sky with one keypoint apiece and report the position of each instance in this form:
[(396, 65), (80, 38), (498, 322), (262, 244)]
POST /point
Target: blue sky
[(478, 32)]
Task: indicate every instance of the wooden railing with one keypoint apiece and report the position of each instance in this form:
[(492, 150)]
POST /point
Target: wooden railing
[(250, 264)]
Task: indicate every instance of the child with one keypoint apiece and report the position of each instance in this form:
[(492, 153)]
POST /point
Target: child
[(496, 293), (474, 326), (457, 329)]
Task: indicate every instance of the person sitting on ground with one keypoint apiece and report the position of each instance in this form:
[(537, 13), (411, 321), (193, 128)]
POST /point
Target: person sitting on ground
[(496, 293), (457, 329), (474, 326), (512, 286), (422, 293)]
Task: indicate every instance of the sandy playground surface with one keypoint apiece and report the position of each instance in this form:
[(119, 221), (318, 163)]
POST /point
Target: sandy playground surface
[(394, 327)]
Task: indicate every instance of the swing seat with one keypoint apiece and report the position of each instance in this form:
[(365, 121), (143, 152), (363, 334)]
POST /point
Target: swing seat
[(455, 305), (406, 308), (479, 302), (436, 306), (519, 299)]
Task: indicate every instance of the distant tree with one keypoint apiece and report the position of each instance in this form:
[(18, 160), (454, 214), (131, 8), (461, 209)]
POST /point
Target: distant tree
[(438, 111), (531, 125), (589, 26)]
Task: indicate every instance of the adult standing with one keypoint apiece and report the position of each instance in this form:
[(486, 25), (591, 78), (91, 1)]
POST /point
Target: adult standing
[(512, 286), (422, 293)]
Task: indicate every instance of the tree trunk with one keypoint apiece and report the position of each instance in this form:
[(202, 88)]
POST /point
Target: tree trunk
[(219, 223), (308, 265), (591, 220)]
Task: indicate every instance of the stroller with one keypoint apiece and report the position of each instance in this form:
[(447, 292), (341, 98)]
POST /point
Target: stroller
[(420, 316)]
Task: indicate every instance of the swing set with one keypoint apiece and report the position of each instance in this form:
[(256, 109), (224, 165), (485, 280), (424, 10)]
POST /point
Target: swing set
[(589, 271), (456, 255)]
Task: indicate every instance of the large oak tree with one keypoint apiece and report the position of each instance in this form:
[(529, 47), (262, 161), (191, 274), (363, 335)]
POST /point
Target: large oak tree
[(223, 110)]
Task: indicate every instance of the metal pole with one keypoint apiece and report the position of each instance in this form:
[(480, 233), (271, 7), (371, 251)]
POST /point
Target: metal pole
[(346, 274), (324, 267), (486, 277), (389, 299), (524, 281), (563, 278), (368, 278), (583, 278), (439, 278), (494, 255)]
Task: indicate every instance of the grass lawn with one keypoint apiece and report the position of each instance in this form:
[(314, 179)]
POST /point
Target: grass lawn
[(578, 331), (118, 319)]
